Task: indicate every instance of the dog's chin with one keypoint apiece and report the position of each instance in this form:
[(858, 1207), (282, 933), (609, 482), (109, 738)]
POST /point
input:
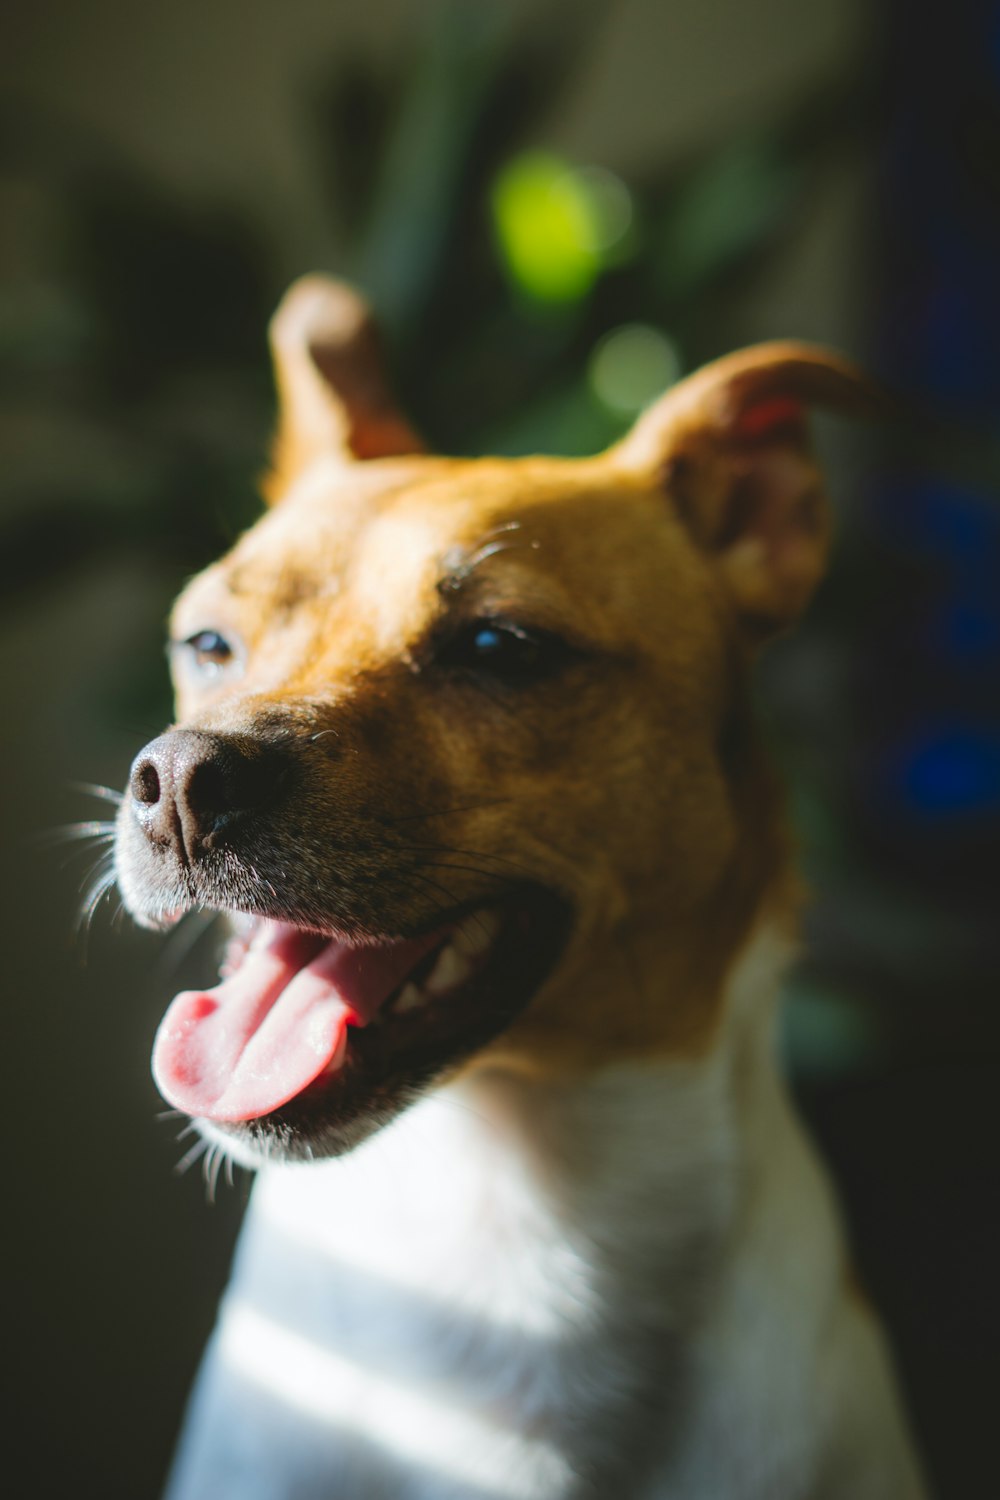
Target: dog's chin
[(474, 973)]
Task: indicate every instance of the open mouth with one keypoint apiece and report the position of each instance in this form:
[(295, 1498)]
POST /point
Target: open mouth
[(304, 1023)]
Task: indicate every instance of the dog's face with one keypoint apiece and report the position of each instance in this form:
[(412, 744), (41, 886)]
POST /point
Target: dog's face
[(465, 744)]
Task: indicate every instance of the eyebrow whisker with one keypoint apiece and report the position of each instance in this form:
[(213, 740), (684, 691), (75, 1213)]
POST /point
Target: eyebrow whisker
[(494, 543)]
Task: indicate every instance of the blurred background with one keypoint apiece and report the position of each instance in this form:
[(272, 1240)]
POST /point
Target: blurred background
[(558, 210)]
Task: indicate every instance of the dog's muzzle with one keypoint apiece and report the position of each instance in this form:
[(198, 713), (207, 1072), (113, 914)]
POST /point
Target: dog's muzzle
[(189, 786)]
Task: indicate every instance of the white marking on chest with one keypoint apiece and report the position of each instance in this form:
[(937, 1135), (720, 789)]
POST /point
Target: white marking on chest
[(524, 1292), (427, 1430), (501, 1282)]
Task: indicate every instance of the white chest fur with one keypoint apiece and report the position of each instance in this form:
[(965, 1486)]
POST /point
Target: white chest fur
[(632, 1288)]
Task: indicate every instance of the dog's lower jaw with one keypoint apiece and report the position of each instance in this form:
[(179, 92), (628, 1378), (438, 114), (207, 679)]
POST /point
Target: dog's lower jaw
[(538, 1292)]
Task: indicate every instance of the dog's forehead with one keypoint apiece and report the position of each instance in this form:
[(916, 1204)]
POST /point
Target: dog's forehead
[(404, 528)]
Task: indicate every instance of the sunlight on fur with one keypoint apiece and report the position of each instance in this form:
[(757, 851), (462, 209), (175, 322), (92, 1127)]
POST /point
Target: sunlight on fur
[(535, 1305), (334, 1390)]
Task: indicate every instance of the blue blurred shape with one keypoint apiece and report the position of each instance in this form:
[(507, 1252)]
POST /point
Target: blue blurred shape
[(954, 771), (970, 630), (947, 520)]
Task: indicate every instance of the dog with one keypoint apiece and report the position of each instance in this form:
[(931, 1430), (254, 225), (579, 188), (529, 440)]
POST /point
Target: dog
[(466, 749)]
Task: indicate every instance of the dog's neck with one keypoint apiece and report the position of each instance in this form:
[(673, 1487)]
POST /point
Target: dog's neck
[(511, 1258)]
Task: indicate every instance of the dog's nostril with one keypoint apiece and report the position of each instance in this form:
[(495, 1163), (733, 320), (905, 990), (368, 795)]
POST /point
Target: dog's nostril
[(229, 780), (146, 784), (210, 789)]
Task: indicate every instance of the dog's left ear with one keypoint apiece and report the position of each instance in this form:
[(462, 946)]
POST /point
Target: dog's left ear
[(333, 398), (730, 448)]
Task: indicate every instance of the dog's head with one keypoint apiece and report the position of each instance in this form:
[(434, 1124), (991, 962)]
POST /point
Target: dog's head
[(464, 745)]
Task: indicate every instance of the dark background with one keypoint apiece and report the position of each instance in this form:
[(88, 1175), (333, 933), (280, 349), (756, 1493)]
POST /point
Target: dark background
[(557, 210)]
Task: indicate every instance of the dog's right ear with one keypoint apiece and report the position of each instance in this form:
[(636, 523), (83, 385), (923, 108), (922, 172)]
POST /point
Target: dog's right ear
[(729, 446), (333, 398)]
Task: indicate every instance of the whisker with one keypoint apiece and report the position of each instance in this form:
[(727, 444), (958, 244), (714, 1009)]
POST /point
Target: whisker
[(432, 885), (95, 789), (503, 528), (494, 541), (100, 882), (215, 1160), (444, 812), (100, 830), (500, 528), (439, 864), (488, 854), (193, 926), (192, 1154), (491, 549), (85, 924), (566, 854), (208, 1171), (211, 1167)]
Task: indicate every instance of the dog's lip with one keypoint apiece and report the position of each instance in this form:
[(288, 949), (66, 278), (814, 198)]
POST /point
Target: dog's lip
[(287, 995), (408, 1047)]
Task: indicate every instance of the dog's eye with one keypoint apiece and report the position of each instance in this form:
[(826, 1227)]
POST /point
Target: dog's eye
[(209, 651), (502, 650)]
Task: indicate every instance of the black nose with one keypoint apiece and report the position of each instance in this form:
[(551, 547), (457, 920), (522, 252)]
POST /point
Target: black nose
[(188, 786)]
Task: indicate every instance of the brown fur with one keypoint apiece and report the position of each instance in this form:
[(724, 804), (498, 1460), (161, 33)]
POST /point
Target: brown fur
[(502, 708), (633, 785)]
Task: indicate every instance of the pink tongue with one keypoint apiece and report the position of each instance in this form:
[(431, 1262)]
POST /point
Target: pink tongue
[(256, 1040)]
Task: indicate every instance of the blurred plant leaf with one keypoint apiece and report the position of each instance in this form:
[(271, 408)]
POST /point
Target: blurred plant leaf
[(162, 301), (175, 287), (444, 94), (724, 211)]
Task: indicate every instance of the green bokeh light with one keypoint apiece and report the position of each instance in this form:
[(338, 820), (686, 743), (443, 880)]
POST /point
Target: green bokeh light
[(631, 366), (556, 226)]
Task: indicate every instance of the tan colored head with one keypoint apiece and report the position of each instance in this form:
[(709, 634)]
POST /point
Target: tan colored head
[(497, 686)]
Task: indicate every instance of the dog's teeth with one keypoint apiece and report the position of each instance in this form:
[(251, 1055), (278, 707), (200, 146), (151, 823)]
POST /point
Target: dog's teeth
[(450, 970), (409, 998), (477, 934), (466, 946)]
